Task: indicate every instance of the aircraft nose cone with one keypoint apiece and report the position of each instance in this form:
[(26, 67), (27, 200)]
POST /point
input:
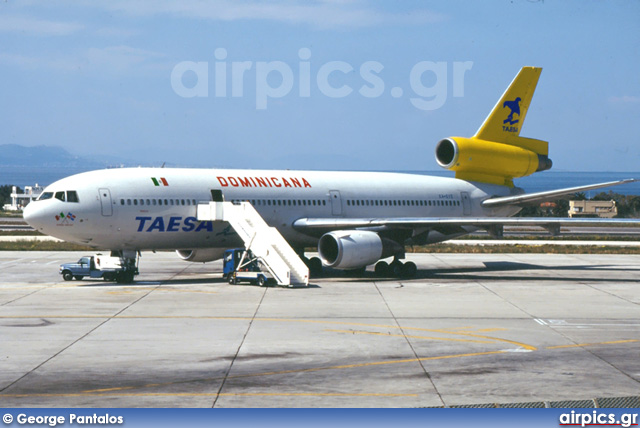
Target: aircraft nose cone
[(27, 214), (34, 216)]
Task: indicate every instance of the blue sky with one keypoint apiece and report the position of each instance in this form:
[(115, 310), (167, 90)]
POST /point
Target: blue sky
[(96, 79)]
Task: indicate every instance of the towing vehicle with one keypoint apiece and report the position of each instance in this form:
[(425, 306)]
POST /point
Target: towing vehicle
[(110, 268)]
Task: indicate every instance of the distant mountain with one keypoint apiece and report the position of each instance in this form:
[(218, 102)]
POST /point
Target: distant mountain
[(26, 166), (14, 155), (41, 156)]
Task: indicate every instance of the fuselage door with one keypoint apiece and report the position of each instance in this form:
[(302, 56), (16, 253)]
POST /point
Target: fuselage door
[(466, 203), (336, 202), (216, 195), (105, 201)]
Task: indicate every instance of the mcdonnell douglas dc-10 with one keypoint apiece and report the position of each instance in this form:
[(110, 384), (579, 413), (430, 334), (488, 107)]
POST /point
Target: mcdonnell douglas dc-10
[(356, 219)]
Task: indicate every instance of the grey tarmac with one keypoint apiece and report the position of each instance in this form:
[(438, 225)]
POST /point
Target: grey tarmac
[(470, 329)]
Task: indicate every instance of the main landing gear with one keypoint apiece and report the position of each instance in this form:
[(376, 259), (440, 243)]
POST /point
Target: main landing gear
[(314, 264), (129, 260), (396, 269)]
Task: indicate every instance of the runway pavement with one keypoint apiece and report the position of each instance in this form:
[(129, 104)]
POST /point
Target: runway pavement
[(471, 329)]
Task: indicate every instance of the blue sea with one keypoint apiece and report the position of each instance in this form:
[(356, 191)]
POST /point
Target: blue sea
[(547, 180)]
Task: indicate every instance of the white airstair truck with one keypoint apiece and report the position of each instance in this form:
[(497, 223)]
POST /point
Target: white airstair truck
[(265, 242)]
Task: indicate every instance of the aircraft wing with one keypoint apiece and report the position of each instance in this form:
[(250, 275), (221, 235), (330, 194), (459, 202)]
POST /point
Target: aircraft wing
[(534, 198), (492, 224)]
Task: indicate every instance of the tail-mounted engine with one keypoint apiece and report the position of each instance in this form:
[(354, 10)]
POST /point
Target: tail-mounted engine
[(497, 153), (487, 161)]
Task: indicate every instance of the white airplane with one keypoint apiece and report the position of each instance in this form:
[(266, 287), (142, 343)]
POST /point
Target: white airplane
[(355, 218)]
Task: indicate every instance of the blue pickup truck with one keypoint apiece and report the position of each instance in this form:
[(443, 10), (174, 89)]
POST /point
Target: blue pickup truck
[(99, 266)]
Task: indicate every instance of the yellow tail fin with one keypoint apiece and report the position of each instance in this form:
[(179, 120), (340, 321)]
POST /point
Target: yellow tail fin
[(497, 153), (505, 120)]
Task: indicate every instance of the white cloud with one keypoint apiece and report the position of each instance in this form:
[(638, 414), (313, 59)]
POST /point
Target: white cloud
[(116, 32), (103, 61), (120, 58), (625, 99), (322, 14), (38, 27), (33, 63)]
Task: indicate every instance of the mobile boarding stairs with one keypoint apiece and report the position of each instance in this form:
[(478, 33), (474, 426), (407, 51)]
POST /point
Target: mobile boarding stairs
[(265, 242)]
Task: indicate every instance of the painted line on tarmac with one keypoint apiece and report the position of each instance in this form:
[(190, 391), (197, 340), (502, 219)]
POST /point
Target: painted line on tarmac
[(410, 337), (158, 290), (582, 345), (118, 391), (285, 320), (282, 372), (370, 364)]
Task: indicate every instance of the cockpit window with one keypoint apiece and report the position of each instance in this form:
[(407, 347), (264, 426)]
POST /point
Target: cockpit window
[(72, 196), (45, 195), (60, 196)]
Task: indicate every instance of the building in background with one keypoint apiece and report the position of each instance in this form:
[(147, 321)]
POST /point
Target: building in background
[(602, 209), (21, 200)]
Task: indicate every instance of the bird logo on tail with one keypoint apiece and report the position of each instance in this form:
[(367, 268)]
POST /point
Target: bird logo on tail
[(514, 106)]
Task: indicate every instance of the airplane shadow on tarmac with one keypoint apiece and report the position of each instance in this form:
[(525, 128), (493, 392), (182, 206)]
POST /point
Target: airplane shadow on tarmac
[(492, 271), (519, 272), (531, 272)]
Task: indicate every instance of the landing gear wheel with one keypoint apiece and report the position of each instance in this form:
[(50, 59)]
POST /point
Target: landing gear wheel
[(395, 269), (67, 276), (381, 269), (124, 277), (315, 266), (409, 270)]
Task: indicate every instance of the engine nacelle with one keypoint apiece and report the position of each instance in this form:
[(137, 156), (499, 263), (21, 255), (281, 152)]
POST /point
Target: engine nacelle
[(352, 249), (201, 255), (487, 161)]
